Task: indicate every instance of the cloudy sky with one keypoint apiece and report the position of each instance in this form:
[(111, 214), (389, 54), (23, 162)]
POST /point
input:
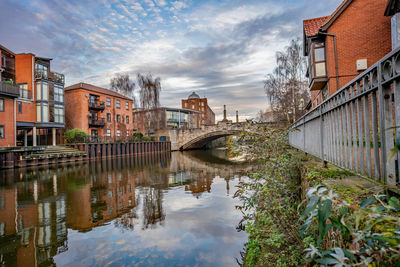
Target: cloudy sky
[(220, 49)]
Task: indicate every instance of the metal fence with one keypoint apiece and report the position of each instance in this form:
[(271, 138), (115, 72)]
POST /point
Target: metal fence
[(355, 128)]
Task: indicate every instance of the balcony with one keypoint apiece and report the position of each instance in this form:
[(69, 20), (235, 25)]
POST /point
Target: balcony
[(96, 105), (97, 123), (52, 76), (9, 89)]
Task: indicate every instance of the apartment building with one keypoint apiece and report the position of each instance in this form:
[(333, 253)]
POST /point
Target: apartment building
[(31, 100), (194, 102), (341, 46), (104, 114)]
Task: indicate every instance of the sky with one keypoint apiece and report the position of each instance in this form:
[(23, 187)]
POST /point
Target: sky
[(222, 50)]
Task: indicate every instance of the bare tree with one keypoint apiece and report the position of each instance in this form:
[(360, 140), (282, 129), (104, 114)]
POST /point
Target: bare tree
[(122, 84), (149, 101), (286, 86)]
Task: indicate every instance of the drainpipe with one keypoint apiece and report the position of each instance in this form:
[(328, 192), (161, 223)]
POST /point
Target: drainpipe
[(336, 58)]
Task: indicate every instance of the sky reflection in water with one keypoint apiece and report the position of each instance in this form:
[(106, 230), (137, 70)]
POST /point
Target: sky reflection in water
[(166, 210)]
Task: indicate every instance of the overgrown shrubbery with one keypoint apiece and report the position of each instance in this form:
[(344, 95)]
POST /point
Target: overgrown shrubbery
[(326, 228), (139, 137), (76, 136), (270, 199)]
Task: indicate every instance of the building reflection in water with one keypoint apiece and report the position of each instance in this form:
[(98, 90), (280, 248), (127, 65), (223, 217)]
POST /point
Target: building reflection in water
[(38, 207)]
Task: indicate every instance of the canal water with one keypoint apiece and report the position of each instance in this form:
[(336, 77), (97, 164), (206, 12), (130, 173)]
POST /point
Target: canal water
[(173, 209)]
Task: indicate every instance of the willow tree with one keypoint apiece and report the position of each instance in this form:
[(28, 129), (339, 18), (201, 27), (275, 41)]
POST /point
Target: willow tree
[(286, 85), (122, 84), (149, 101)]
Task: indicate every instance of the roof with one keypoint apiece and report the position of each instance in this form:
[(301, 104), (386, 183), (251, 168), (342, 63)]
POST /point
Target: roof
[(336, 14), (183, 110), (392, 7), (95, 89), (7, 50), (312, 26), (193, 95)]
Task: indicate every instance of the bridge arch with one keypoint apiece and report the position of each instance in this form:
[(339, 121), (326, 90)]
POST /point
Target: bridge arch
[(205, 138)]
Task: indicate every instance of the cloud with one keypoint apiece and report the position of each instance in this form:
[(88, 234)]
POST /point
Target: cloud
[(222, 50)]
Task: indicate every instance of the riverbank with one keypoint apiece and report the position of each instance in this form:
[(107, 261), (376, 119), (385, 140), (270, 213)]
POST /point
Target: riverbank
[(299, 212)]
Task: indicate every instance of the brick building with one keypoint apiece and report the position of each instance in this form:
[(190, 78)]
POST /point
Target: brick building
[(104, 114), (31, 100), (341, 46), (194, 102)]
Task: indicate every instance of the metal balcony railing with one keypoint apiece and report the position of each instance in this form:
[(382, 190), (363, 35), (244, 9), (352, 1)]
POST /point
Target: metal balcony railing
[(96, 105), (52, 76), (97, 122), (355, 128), (9, 89)]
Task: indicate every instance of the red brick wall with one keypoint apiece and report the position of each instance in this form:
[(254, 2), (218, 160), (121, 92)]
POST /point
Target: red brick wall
[(207, 116), (362, 31), (24, 65), (7, 120)]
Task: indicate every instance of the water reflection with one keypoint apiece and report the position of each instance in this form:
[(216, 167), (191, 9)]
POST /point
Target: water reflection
[(154, 209)]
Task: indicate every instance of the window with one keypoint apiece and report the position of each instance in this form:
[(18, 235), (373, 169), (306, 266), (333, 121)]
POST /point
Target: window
[(1, 104), (19, 107), (192, 106), (118, 118), (108, 101), (118, 133), (127, 105), (59, 113), (58, 93), (41, 71), (127, 119), (3, 61), (23, 90), (108, 117), (319, 59), (118, 104), (42, 91), (127, 132), (2, 134), (108, 132)]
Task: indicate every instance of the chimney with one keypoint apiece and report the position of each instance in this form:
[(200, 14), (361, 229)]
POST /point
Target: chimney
[(224, 113), (237, 116)]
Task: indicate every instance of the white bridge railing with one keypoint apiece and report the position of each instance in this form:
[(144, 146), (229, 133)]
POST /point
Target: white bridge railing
[(355, 127)]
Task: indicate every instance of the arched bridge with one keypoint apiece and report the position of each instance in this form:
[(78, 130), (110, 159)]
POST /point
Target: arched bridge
[(186, 139)]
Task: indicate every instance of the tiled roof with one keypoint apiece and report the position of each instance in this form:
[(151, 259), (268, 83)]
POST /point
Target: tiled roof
[(95, 89), (311, 26)]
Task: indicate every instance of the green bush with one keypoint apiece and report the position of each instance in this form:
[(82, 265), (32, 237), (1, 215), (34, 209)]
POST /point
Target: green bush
[(136, 137), (76, 136), (146, 139)]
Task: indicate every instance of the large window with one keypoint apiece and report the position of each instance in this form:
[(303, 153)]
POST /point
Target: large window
[(319, 60), (127, 119), (118, 118), (108, 101), (108, 132), (109, 117), (118, 133), (1, 104), (41, 71), (59, 114), (58, 93), (42, 112), (42, 91), (2, 134), (118, 104), (126, 105)]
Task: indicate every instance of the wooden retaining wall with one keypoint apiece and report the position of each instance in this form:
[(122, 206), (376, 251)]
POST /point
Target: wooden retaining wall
[(108, 150)]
